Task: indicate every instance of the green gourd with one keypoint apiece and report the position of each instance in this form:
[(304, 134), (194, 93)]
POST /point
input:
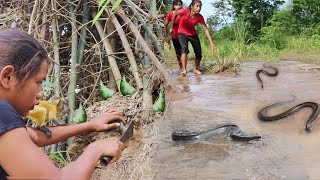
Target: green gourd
[(105, 92), (81, 115), (125, 88), (160, 104)]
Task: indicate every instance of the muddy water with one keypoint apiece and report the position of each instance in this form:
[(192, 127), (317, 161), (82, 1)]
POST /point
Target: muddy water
[(198, 103)]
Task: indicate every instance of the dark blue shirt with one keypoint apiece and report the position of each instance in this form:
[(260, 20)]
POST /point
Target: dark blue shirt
[(9, 119)]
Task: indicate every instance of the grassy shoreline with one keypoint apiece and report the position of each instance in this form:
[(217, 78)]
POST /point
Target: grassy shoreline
[(230, 53)]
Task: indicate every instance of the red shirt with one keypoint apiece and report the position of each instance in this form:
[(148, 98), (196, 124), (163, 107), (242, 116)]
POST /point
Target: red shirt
[(187, 24), (175, 24)]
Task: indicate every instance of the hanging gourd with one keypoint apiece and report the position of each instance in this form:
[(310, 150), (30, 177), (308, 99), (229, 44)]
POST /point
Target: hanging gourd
[(81, 115), (125, 88), (105, 92), (160, 103)]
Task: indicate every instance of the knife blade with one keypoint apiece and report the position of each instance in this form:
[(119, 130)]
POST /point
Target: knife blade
[(126, 136)]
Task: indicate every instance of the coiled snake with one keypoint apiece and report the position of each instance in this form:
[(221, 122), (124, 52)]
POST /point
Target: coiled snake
[(231, 130), (314, 106), (275, 73)]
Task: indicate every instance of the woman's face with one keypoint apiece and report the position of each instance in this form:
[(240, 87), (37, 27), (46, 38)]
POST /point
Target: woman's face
[(196, 8), (28, 95), (178, 6)]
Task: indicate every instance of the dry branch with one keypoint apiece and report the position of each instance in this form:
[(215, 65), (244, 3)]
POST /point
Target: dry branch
[(128, 49), (143, 44), (108, 49), (147, 29), (73, 66), (32, 15)]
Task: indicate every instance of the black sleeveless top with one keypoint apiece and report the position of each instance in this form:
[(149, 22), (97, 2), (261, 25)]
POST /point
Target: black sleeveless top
[(9, 119)]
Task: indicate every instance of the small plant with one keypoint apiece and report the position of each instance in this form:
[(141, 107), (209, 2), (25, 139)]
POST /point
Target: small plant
[(225, 58), (58, 158)]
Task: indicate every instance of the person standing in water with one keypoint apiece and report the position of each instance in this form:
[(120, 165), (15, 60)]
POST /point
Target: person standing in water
[(187, 32), (176, 6)]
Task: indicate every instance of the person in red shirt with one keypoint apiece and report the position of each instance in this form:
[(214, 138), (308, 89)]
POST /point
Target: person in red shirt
[(177, 5), (187, 32)]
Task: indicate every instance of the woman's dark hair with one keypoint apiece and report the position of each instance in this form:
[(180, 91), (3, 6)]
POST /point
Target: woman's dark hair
[(175, 2), (193, 2), (22, 51)]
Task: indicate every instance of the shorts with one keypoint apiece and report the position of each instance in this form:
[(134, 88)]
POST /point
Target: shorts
[(195, 42), (177, 47)]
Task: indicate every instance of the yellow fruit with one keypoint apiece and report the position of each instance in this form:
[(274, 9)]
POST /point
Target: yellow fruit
[(38, 115), (51, 109), (46, 111)]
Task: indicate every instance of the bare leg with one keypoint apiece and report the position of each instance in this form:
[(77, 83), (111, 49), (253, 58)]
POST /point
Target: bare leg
[(196, 67), (180, 64), (184, 64)]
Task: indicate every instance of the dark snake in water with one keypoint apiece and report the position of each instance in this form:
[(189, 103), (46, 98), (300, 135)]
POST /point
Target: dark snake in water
[(314, 106), (231, 130), (275, 73)]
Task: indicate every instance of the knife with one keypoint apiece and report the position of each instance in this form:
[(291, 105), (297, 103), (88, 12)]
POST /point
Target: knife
[(126, 136)]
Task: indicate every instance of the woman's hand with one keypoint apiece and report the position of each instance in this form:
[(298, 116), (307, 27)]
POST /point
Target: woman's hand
[(167, 40), (101, 121), (109, 147), (171, 30)]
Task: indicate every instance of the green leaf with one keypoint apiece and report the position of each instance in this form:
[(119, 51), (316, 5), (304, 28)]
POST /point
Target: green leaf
[(125, 88), (154, 7), (100, 12), (115, 5), (105, 92), (81, 115), (100, 3), (160, 104)]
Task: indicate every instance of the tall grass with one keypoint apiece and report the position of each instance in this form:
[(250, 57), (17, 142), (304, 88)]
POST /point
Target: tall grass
[(230, 52), (303, 45)]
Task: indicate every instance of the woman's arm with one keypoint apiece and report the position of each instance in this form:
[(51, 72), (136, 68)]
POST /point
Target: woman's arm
[(166, 22), (175, 14), (206, 31), (21, 158), (84, 166), (61, 133)]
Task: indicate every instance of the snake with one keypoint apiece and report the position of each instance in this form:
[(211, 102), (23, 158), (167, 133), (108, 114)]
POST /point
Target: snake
[(229, 130), (275, 73), (314, 106)]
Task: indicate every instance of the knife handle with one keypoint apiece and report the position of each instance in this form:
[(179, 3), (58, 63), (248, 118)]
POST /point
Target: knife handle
[(105, 160)]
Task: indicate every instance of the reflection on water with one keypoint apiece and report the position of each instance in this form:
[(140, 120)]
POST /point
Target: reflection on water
[(199, 103)]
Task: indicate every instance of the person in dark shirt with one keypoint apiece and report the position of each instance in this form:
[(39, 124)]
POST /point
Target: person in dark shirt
[(177, 5), (187, 32), (23, 66)]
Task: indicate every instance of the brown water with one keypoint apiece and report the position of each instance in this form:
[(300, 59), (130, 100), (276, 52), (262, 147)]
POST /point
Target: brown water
[(199, 103)]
